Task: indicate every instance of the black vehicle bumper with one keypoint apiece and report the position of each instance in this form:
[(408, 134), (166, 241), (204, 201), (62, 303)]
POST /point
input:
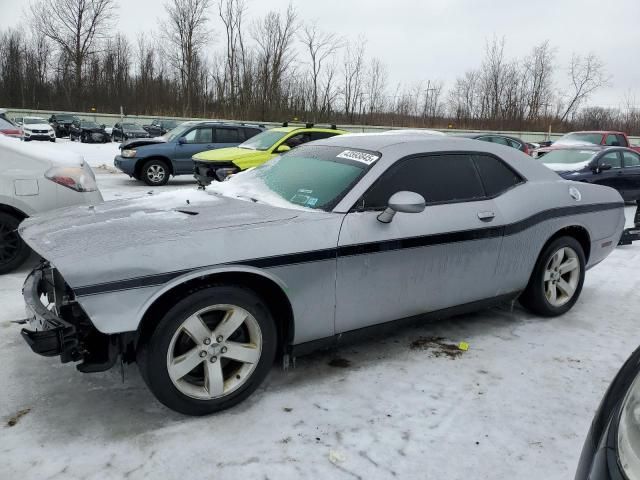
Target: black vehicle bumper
[(51, 335), (68, 334), (207, 172)]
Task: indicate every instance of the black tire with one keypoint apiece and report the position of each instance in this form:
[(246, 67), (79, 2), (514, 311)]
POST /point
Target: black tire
[(150, 173), (52, 140), (153, 349), (83, 138), (534, 297), (13, 250), (70, 137)]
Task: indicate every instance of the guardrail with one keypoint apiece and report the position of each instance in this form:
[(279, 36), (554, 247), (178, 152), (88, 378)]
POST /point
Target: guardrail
[(112, 118)]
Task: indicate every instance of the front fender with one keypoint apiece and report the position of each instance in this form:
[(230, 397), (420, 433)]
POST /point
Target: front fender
[(111, 312)]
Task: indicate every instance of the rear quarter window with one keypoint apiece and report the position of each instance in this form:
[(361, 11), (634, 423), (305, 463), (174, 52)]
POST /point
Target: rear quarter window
[(496, 176)]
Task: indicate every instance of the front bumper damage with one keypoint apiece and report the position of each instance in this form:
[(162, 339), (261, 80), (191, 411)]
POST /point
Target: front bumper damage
[(60, 327), (206, 172)]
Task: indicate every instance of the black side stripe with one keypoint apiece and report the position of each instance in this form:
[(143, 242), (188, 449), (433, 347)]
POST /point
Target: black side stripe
[(357, 249)]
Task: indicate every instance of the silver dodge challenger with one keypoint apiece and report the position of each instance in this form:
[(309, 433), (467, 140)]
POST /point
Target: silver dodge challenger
[(205, 289)]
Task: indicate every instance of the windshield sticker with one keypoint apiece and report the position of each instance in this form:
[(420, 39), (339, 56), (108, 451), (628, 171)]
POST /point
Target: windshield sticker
[(312, 201), (363, 157)]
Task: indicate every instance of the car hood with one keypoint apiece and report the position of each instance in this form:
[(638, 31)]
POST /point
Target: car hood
[(37, 126), (229, 154), (154, 233), (93, 129), (141, 142), (136, 131)]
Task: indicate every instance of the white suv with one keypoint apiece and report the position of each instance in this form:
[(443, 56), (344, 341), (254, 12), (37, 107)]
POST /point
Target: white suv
[(34, 179)]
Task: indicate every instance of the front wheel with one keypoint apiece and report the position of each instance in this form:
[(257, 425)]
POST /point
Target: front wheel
[(557, 278), (210, 351), (155, 173)]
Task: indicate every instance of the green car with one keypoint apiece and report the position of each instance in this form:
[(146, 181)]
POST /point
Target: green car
[(218, 164)]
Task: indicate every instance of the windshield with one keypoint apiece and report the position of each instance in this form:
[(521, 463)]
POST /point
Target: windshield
[(33, 121), (312, 177), (89, 125), (131, 126), (263, 141), (569, 156), (65, 118), (595, 138)]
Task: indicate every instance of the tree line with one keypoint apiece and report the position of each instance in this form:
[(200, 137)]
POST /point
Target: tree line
[(70, 56)]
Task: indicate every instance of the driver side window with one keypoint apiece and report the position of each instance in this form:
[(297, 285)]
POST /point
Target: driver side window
[(612, 159), (296, 140), (438, 178), (199, 135)]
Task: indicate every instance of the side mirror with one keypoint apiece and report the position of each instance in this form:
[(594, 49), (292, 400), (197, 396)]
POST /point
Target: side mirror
[(103, 126), (602, 167), (405, 202), (182, 140), (283, 148)]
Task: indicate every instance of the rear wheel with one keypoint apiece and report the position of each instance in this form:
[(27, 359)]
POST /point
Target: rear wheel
[(557, 279), (13, 250), (155, 173), (210, 351)]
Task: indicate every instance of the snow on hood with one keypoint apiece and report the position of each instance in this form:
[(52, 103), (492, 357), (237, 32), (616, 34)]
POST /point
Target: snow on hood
[(566, 167), (249, 186), (41, 152), (152, 223)]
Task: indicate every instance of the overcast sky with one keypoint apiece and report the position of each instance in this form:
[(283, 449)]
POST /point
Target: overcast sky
[(439, 40)]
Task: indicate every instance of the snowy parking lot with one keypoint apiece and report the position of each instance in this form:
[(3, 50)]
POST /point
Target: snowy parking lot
[(516, 404)]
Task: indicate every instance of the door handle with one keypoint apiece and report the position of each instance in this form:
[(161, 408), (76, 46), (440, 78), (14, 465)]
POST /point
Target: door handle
[(486, 216)]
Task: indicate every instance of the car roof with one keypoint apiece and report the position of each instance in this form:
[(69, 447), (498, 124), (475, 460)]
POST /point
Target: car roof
[(306, 129), (395, 147), (217, 123), (485, 134), (602, 132)]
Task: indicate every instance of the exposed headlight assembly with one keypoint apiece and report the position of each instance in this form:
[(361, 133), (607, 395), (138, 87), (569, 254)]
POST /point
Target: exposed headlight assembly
[(629, 432), (128, 153)]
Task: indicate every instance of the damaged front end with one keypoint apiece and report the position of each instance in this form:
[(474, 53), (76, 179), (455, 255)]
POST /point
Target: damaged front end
[(58, 326)]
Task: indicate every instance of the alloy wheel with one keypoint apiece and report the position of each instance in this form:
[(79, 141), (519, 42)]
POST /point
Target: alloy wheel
[(156, 173), (214, 351), (561, 276)]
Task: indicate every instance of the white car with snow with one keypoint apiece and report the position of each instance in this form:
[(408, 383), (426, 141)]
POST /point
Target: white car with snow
[(37, 128), (34, 179)]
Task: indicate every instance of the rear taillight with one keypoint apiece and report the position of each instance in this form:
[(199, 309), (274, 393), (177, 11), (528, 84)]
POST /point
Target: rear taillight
[(80, 179)]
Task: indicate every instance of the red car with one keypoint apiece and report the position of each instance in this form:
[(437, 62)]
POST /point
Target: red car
[(595, 137), (9, 129)]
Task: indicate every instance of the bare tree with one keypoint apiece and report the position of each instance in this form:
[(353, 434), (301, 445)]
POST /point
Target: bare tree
[(274, 36), (186, 30), (376, 85), (320, 46), (586, 74), (539, 77), (75, 26), (353, 71)]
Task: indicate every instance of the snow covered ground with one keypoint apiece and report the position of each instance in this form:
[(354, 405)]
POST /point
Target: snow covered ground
[(517, 404)]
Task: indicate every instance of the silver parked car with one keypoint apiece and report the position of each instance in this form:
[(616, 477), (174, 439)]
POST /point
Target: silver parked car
[(205, 288), (35, 179)]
